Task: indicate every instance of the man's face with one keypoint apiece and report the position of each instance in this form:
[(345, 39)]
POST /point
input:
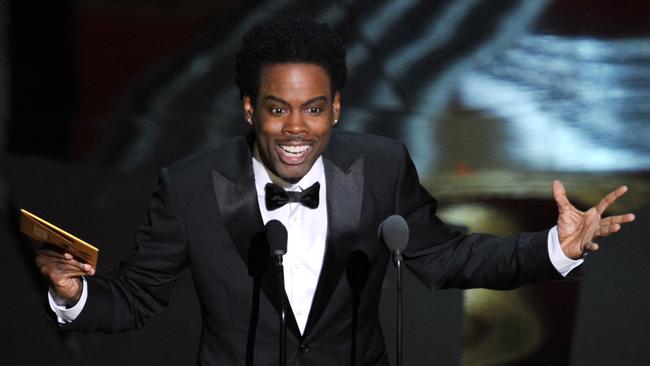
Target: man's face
[(292, 117)]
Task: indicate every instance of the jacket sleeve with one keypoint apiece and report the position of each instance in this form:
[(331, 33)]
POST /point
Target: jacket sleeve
[(443, 258), (141, 287)]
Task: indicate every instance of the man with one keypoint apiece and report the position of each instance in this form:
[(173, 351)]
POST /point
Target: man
[(209, 210)]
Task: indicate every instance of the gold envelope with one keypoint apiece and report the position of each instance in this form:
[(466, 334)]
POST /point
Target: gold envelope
[(41, 230)]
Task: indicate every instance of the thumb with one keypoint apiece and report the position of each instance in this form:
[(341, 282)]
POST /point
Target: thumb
[(559, 194)]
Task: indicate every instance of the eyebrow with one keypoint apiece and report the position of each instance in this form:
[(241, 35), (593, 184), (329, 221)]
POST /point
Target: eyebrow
[(310, 101)]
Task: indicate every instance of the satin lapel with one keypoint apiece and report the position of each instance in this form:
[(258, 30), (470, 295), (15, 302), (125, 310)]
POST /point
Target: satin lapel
[(344, 201), (234, 187)]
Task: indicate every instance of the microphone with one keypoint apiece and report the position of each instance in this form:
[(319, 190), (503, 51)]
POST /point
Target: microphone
[(394, 232), (276, 236)]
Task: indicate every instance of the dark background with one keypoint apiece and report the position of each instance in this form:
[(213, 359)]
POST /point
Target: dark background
[(493, 98)]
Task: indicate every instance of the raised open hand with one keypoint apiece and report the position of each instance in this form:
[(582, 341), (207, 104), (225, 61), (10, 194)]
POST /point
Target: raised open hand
[(577, 230)]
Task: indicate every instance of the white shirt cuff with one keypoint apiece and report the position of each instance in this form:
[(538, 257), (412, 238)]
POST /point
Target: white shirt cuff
[(58, 305), (561, 262)]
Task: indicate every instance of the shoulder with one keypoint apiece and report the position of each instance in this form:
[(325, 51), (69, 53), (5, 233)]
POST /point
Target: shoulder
[(366, 144), (347, 146), (231, 153), (363, 139)]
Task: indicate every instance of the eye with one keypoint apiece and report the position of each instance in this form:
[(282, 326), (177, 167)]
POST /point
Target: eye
[(276, 110), (314, 110)]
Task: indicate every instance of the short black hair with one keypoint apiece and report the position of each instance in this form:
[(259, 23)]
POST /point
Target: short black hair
[(289, 39)]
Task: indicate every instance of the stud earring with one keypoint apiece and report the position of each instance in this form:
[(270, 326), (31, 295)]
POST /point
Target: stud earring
[(335, 121)]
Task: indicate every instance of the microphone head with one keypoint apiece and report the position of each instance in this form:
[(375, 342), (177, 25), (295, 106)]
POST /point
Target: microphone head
[(394, 232), (276, 235)]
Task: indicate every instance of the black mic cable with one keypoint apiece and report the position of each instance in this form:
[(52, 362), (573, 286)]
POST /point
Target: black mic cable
[(394, 232)]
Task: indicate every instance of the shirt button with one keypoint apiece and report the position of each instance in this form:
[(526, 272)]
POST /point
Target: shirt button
[(299, 312), (296, 266)]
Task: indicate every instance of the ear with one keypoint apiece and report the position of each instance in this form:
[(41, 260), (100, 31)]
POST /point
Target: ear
[(248, 109), (336, 106)]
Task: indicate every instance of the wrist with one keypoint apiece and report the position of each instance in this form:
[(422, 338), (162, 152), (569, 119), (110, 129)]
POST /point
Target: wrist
[(70, 297), (65, 311)]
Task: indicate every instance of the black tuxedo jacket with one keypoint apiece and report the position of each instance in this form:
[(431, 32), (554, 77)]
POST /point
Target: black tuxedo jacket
[(204, 216)]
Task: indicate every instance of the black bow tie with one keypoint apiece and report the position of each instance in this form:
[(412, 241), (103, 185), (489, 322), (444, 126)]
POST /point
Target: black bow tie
[(277, 197)]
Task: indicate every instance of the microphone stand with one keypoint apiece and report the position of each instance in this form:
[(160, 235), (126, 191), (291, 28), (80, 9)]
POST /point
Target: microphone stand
[(394, 232), (397, 257), (283, 307)]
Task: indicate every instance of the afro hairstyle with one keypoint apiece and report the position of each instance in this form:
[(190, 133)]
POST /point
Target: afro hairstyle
[(289, 39)]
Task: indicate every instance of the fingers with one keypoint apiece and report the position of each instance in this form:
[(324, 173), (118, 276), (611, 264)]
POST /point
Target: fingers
[(610, 199), (559, 194), (607, 230), (61, 264), (613, 224), (66, 257), (618, 219), (61, 271), (591, 247)]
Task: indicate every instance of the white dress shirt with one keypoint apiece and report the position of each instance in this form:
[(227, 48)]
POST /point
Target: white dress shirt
[(307, 233)]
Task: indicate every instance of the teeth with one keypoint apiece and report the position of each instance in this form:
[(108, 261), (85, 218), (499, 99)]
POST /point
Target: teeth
[(295, 149)]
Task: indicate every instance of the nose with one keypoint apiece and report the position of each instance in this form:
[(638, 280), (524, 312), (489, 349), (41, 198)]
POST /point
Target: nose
[(295, 124)]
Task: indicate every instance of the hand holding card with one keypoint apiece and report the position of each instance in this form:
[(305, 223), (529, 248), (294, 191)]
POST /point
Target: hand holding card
[(42, 231)]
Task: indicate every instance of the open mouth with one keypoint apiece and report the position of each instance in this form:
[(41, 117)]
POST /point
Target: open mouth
[(293, 154)]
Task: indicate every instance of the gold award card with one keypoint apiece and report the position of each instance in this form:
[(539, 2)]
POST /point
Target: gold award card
[(42, 231)]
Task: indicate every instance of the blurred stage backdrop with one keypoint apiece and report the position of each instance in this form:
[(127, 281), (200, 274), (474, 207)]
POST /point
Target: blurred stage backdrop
[(494, 99)]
